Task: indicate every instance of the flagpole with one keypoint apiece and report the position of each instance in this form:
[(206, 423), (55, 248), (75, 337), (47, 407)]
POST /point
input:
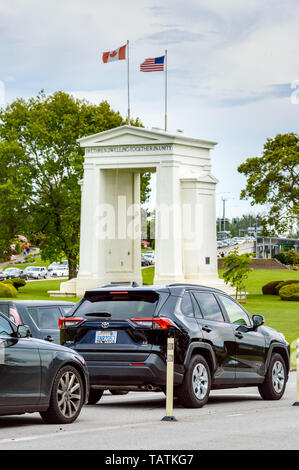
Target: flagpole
[(129, 110), (165, 90)]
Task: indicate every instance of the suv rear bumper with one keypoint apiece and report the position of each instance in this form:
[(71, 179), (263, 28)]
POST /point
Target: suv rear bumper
[(151, 371)]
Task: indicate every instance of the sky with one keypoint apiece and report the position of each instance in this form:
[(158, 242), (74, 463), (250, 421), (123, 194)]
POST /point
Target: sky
[(233, 68)]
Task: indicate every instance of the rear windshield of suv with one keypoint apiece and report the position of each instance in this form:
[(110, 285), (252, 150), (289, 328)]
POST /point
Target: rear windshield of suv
[(119, 305)]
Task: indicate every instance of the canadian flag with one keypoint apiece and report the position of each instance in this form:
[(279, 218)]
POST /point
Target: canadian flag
[(118, 54)]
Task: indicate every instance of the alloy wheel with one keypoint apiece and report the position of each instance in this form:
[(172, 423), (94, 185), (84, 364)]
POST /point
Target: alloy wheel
[(278, 377), (69, 394), (200, 381)]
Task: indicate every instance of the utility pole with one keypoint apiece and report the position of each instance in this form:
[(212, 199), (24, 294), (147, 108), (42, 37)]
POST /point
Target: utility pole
[(223, 212)]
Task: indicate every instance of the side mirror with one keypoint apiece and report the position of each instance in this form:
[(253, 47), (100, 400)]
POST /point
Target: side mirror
[(23, 331), (258, 320)]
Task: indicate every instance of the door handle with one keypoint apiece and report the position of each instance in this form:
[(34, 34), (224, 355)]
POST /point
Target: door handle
[(239, 335), (207, 329)]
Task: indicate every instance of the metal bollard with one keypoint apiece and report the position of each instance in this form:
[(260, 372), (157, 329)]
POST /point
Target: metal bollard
[(169, 381), (297, 387)]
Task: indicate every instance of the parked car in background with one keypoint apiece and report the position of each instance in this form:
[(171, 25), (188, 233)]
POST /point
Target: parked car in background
[(37, 376), (25, 273), (145, 261), (60, 271), (149, 256), (38, 272), (122, 332), (41, 316), (11, 273), (52, 266)]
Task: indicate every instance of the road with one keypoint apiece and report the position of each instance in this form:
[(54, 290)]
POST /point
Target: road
[(247, 247), (232, 419)]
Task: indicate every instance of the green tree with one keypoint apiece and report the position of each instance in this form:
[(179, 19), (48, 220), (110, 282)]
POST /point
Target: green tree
[(273, 180), (238, 270), (41, 164)]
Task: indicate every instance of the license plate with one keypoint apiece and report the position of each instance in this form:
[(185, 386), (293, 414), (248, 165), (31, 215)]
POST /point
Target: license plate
[(106, 337)]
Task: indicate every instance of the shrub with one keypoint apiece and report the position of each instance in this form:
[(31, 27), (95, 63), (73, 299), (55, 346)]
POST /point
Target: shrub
[(290, 292), (269, 289), (288, 257), (7, 290), (292, 257), (30, 259), (17, 282), (284, 283), (281, 257)]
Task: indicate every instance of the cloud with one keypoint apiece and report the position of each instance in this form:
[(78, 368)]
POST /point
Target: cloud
[(230, 64), (173, 36), (243, 97)]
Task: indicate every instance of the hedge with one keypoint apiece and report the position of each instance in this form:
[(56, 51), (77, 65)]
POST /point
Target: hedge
[(17, 282), (284, 283), (269, 289), (7, 290), (290, 292)]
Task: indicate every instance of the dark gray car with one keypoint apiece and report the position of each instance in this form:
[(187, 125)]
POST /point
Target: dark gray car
[(38, 376), (40, 315)]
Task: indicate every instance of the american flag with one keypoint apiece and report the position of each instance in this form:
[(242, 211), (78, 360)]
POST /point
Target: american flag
[(155, 64)]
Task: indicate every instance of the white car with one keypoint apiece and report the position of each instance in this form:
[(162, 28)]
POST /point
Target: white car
[(149, 257), (36, 272), (10, 273), (60, 271)]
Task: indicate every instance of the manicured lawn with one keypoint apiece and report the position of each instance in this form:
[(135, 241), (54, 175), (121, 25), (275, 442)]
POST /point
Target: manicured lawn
[(148, 275), (38, 290)]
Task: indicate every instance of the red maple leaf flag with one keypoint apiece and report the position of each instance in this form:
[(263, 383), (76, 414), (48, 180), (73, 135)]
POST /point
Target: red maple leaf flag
[(118, 54)]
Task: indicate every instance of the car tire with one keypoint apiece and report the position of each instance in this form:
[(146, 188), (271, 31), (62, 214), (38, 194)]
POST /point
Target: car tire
[(274, 385), (67, 397), (118, 392), (195, 390), (94, 396)]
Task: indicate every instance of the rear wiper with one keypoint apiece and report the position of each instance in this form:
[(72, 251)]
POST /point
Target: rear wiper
[(98, 314)]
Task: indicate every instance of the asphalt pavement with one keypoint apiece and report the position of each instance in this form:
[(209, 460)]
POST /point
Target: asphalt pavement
[(232, 419)]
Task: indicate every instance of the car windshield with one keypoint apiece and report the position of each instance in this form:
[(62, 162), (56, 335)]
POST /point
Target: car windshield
[(119, 304)]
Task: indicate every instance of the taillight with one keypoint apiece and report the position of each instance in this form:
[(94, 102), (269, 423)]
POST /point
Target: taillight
[(155, 323), (14, 316), (66, 322)]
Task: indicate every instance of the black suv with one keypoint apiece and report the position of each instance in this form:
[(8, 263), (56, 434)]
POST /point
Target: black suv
[(122, 334)]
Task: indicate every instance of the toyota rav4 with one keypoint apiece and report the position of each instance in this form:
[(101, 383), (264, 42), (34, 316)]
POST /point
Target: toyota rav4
[(122, 334)]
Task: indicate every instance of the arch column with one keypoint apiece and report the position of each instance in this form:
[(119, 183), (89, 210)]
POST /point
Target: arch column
[(168, 248)]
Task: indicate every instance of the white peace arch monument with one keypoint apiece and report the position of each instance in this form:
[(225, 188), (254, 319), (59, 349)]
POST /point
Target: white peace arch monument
[(185, 211)]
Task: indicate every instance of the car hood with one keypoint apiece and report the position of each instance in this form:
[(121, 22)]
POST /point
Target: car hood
[(273, 335)]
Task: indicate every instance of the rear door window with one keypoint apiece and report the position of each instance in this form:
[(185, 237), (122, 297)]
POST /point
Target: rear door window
[(121, 305), (187, 306), (209, 306)]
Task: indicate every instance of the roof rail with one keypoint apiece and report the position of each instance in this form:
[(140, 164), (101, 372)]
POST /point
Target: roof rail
[(178, 284), (182, 284)]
